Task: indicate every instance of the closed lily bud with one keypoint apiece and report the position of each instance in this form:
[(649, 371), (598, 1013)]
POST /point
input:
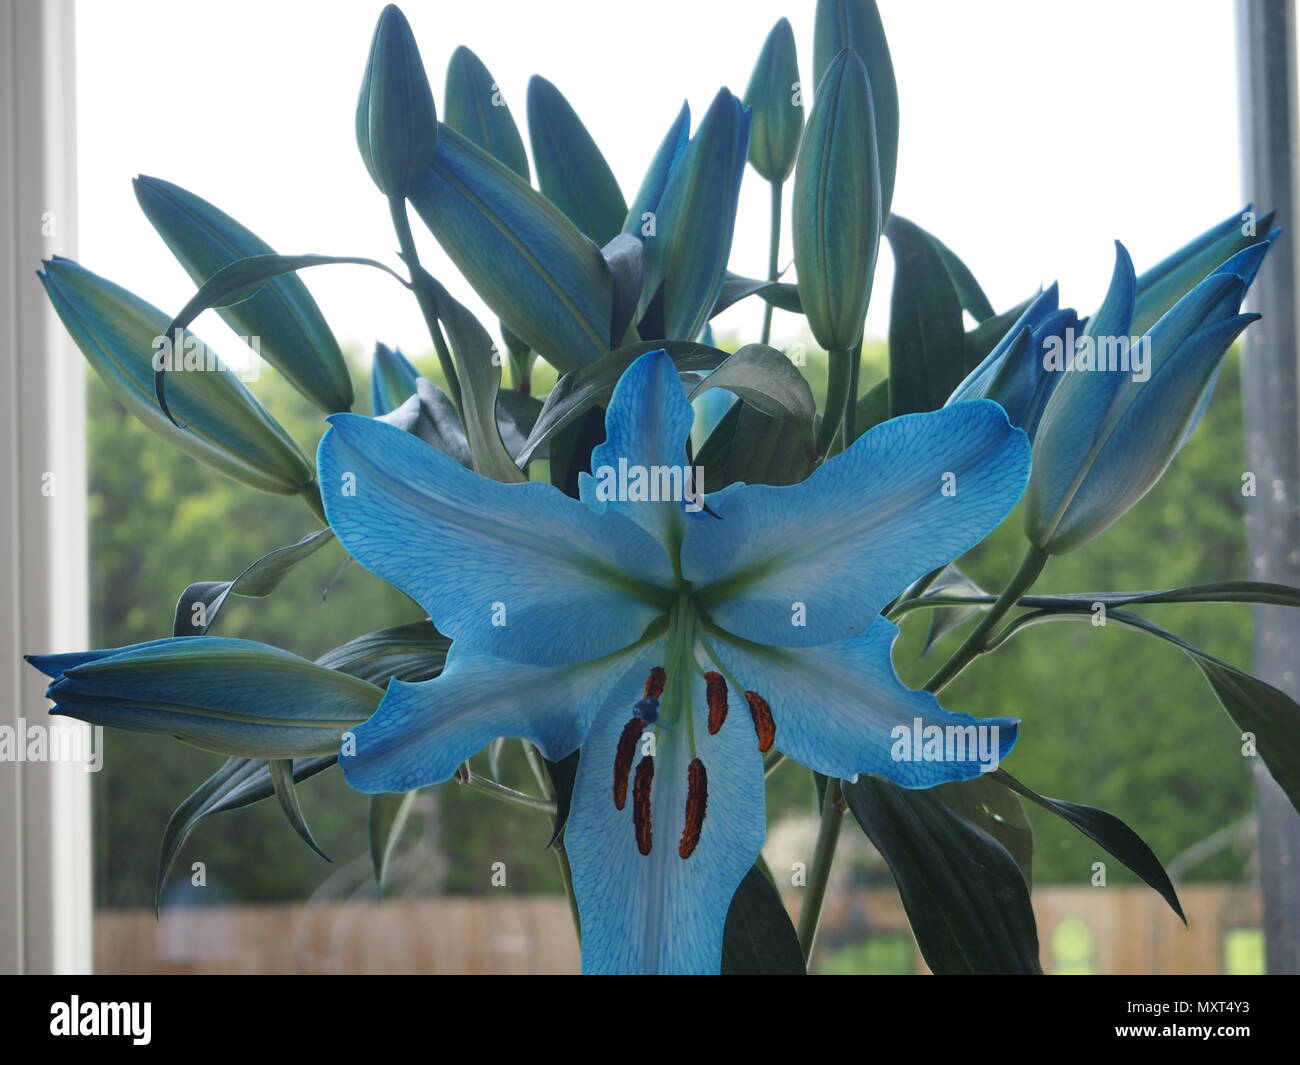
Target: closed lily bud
[(397, 125), (234, 697), (775, 100), (837, 206), (125, 339), (1014, 373), (1126, 405)]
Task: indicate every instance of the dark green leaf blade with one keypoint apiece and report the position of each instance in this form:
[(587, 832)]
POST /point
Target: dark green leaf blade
[(964, 894), (759, 938), (388, 816), (1111, 833)]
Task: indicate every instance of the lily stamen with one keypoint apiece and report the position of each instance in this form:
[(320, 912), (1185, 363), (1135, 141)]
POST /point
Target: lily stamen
[(716, 691), (645, 775), (697, 798), (764, 725), (623, 759)]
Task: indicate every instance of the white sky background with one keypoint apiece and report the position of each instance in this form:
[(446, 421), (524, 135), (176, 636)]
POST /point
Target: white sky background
[(1033, 131)]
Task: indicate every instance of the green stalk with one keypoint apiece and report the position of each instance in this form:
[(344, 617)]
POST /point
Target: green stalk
[(500, 792), (851, 401), (424, 296), (976, 643), (828, 836), (534, 757), (773, 257), (840, 378)]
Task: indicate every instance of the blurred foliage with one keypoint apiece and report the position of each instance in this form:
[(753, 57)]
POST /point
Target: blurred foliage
[(1110, 717)]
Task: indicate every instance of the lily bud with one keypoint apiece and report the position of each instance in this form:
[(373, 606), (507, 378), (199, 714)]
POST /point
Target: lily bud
[(775, 99), (125, 340), (397, 125), (837, 206), (1014, 373), (1126, 405), (234, 697)]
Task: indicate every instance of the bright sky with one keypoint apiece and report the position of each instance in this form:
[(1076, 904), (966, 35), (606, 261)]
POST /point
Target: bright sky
[(1033, 132)]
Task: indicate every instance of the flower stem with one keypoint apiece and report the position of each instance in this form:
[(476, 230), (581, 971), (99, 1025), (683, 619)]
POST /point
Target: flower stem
[(840, 378), (828, 836), (977, 642), (424, 296), (773, 257)]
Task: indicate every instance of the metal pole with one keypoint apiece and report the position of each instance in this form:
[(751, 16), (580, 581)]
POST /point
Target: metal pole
[(1266, 32)]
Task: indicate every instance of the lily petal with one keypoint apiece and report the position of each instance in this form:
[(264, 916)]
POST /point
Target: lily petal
[(421, 732), (659, 912), (516, 570), (839, 709), (815, 562), (646, 426)]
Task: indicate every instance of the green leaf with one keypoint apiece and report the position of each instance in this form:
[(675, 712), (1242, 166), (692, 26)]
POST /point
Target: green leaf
[(964, 894), (474, 107), (571, 172), (991, 807), (257, 581), (943, 620), (1111, 833), (242, 280), (856, 24), (388, 816), (226, 427), (285, 791), (579, 391), (292, 333), (478, 366), (769, 382), (563, 774), (625, 257), (410, 653), (1270, 715), (968, 290), (759, 938), (927, 342), (780, 294), (239, 782)]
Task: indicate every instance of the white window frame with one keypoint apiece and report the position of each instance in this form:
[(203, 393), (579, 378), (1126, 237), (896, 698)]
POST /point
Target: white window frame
[(45, 828)]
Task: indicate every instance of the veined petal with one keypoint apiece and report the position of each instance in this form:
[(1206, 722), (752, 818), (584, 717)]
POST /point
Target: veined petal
[(659, 912), (421, 732), (516, 570), (814, 562), (840, 709), (646, 426)]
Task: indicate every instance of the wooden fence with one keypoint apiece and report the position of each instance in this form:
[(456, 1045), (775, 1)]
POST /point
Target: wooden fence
[(1120, 930)]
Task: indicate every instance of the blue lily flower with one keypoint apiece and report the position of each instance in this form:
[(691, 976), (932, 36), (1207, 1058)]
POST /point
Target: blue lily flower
[(675, 639), (1126, 405), (1013, 373)]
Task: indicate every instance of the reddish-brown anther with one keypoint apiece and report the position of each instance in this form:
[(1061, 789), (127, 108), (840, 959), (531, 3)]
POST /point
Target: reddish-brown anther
[(645, 775), (697, 799), (654, 684), (623, 759), (716, 688), (764, 726)]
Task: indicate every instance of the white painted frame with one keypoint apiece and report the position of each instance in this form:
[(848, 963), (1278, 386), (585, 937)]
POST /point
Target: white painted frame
[(45, 828)]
